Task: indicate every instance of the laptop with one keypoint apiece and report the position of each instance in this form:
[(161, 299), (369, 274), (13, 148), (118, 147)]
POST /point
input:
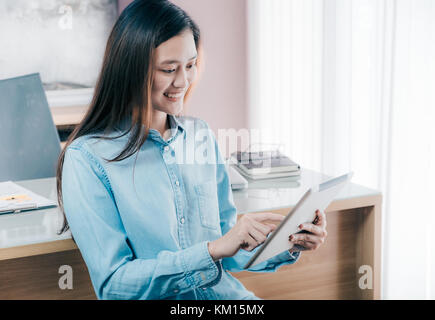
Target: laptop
[(29, 142)]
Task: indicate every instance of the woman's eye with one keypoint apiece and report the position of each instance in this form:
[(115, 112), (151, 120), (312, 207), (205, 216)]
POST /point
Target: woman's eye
[(173, 70)]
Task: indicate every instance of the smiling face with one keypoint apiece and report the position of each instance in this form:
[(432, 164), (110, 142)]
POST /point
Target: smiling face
[(174, 72)]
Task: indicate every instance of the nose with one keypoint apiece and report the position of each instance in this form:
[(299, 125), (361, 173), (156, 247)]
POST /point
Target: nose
[(181, 79)]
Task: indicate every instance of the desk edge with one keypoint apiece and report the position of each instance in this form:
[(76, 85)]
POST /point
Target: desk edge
[(37, 249), (68, 244)]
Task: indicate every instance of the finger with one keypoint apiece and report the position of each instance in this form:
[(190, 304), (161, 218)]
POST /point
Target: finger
[(264, 228), (249, 243), (272, 226), (316, 230), (258, 236), (297, 247), (320, 219), (301, 237), (302, 245), (262, 216), (305, 244)]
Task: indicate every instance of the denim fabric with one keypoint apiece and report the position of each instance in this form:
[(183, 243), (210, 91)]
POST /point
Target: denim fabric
[(142, 224)]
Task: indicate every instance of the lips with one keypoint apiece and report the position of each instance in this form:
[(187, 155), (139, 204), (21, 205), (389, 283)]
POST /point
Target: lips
[(173, 95)]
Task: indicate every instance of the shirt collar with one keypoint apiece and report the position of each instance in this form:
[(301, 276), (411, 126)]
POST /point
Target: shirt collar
[(174, 125)]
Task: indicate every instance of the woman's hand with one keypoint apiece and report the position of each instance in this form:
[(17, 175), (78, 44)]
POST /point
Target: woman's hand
[(250, 231), (313, 235)]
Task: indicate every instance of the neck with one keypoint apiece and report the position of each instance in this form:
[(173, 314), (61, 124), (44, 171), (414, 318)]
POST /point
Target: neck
[(160, 122)]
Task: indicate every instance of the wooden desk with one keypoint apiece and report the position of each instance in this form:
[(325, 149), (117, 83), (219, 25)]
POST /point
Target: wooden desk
[(31, 252), (65, 116)]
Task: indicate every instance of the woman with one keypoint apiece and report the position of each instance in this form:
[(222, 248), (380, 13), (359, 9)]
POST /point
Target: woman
[(149, 222)]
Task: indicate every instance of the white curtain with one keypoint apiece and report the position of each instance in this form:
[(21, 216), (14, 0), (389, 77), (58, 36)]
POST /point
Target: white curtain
[(350, 85)]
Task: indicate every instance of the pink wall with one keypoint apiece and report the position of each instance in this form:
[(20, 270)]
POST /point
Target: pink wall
[(220, 97)]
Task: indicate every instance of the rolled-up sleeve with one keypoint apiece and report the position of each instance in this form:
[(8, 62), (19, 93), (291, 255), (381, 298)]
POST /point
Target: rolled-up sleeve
[(228, 218), (98, 230)]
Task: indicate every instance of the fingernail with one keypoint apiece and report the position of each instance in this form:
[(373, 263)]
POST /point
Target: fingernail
[(300, 227)]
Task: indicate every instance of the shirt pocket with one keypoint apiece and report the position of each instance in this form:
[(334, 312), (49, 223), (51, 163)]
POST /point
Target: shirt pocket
[(208, 204)]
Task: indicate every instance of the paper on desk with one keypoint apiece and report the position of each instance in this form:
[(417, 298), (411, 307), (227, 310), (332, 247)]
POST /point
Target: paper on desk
[(14, 197)]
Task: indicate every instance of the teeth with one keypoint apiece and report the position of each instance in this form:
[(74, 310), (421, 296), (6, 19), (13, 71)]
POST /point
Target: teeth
[(173, 95)]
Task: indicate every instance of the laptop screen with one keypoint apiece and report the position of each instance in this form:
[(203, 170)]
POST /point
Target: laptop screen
[(29, 142)]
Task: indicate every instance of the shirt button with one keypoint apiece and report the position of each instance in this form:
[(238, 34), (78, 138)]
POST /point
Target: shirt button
[(166, 148), (177, 183), (182, 220), (204, 288), (176, 290)]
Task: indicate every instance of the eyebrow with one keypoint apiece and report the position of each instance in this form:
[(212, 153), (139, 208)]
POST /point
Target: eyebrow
[(175, 61)]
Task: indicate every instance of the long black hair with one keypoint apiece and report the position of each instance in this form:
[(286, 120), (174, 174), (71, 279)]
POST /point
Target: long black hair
[(123, 88)]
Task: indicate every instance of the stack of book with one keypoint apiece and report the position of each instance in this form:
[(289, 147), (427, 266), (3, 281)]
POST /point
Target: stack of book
[(265, 164)]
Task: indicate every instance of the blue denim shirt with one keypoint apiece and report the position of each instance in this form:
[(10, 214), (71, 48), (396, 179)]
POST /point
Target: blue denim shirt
[(142, 224)]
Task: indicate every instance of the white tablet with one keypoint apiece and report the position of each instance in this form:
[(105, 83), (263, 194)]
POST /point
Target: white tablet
[(317, 198)]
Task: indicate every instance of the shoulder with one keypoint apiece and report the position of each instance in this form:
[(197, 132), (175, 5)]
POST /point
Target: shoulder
[(79, 150), (83, 144), (80, 163), (81, 158), (97, 148)]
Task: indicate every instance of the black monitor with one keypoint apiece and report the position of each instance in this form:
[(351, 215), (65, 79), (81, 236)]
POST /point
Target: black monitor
[(29, 142)]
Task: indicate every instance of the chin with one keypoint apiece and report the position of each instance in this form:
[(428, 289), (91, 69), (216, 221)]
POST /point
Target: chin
[(172, 110), (175, 111)]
